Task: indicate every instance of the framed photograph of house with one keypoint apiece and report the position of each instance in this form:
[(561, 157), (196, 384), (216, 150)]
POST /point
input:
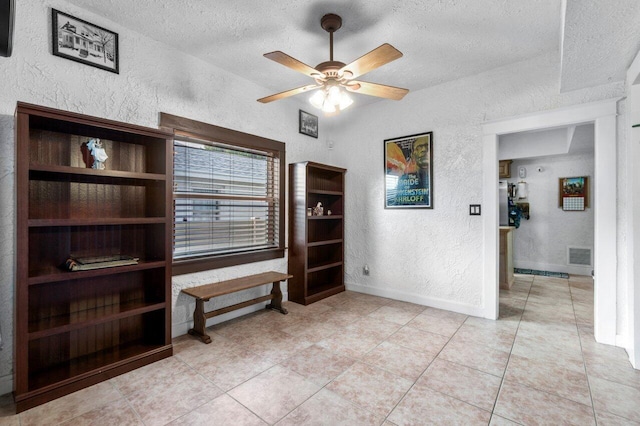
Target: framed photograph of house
[(574, 193), (308, 124), (408, 166), (84, 42)]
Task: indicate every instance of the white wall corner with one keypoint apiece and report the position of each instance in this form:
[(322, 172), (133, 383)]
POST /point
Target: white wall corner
[(419, 299)]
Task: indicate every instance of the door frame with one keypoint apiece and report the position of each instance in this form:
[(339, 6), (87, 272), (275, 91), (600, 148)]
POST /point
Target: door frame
[(603, 115)]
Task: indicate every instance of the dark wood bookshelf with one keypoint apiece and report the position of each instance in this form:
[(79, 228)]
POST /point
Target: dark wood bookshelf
[(76, 328), (316, 243)]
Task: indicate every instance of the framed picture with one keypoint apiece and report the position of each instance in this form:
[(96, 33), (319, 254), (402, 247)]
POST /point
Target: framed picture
[(573, 193), (84, 42), (409, 171), (308, 124)]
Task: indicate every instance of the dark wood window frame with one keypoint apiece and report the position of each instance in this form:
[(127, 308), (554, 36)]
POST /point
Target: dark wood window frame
[(208, 132)]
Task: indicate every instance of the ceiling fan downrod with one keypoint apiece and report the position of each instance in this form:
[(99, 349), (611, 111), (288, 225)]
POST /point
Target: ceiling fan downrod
[(331, 23)]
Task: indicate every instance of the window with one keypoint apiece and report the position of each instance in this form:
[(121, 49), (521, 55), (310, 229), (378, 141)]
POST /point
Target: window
[(228, 196)]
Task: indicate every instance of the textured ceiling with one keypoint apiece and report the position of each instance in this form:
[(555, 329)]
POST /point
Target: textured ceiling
[(441, 40)]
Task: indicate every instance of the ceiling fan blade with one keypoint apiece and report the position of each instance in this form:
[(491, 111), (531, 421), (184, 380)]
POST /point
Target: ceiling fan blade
[(293, 63), (368, 62), (374, 89), (288, 93)]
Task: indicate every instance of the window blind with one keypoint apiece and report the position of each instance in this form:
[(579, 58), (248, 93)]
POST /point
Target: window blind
[(225, 199)]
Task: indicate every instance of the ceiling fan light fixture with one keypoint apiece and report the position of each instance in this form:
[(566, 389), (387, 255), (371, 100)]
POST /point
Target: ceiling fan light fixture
[(330, 100)]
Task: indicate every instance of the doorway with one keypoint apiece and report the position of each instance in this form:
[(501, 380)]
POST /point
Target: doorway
[(603, 116)]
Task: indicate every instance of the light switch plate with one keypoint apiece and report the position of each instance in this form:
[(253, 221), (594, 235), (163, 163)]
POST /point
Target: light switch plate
[(474, 209)]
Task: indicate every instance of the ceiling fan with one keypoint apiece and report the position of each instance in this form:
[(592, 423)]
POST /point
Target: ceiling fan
[(332, 76)]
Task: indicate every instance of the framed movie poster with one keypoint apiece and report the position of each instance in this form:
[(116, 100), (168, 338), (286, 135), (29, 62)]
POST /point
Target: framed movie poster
[(409, 172)]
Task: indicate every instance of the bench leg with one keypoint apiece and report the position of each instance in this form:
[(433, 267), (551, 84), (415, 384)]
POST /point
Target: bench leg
[(199, 322), (276, 301)]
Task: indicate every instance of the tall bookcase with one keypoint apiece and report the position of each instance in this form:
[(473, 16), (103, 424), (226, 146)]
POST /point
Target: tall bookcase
[(316, 243), (75, 329)]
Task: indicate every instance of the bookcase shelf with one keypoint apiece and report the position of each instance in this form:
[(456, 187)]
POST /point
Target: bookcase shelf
[(316, 243), (76, 328)]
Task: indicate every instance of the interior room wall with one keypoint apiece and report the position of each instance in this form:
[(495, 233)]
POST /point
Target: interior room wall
[(435, 256), (541, 242), (153, 78)]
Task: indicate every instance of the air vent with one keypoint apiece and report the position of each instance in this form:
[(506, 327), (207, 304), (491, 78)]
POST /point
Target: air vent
[(579, 256)]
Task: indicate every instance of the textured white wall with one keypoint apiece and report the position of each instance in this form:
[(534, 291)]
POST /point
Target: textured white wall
[(541, 242), (153, 78), (435, 256)]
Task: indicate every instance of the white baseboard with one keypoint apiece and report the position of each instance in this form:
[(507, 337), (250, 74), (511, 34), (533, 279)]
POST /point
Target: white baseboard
[(567, 269), (6, 384), (432, 302), (178, 329)]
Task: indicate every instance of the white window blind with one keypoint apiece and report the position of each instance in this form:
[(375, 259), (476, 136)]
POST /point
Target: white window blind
[(225, 199)]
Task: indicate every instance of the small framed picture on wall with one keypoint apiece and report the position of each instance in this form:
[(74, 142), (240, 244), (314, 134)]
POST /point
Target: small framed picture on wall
[(84, 42), (308, 124)]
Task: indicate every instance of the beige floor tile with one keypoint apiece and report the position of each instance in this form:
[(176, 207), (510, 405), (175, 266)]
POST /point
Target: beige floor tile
[(233, 368), (476, 355), (356, 306), (393, 314), (531, 407), (443, 326), (495, 339), (549, 377), (552, 354), (441, 313), (374, 327), (350, 343), (424, 406), (161, 373), (418, 340), (615, 398), (275, 393), (117, 413), (222, 410), (501, 421), (318, 365), (608, 419), (399, 360), (371, 388), (162, 404), (328, 408), (466, 384), (71, 406)]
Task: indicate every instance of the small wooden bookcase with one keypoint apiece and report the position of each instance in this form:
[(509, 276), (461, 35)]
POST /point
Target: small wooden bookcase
[(316, 243), (75, 329)]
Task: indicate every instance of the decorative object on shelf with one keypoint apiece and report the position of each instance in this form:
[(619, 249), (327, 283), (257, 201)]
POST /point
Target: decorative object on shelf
[(409, 171), (328, 212), (318, 209), (99, 262), (84, 42), (308, 124), (98, 153), (573, 193), (310, 211)]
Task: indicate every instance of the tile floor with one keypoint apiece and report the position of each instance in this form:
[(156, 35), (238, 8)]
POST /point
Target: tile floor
[(355, 359)]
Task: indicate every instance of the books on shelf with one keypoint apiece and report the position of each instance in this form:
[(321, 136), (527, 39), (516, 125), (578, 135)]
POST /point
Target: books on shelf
[(98, 262)]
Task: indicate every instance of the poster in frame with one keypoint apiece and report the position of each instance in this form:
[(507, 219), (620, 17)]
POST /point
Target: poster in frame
[(84, 42), (408, 165), (308, 124)]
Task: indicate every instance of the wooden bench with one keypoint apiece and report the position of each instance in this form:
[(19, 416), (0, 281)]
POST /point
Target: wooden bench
[(205, 292)]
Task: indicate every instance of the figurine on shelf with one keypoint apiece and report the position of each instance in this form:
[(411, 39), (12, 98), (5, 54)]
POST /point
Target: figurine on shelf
[(318, 210), (98, 153)]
